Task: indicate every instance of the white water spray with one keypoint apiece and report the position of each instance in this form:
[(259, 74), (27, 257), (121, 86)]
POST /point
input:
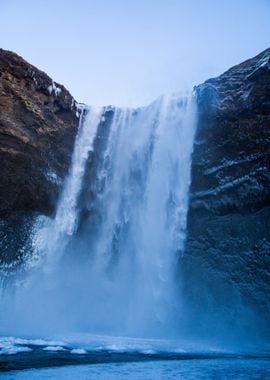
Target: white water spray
[(114, 268), (52, 239)]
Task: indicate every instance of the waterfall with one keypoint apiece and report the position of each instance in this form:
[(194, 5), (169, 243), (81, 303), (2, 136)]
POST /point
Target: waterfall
[(110, 254), (55, 236)]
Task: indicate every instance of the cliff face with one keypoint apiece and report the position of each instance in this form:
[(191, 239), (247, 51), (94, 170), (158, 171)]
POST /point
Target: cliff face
[(228, 246), (38, 125)]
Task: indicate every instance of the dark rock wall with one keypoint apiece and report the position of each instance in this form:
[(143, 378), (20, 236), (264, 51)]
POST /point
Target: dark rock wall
[(227, 261)]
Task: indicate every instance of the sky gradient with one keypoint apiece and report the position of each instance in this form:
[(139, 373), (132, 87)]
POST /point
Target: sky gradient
[(127, 53)]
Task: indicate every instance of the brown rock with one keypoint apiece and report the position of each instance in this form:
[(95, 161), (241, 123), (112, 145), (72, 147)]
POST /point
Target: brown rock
[(38, 124)]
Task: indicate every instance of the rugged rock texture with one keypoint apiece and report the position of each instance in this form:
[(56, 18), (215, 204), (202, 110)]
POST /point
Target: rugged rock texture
[(228, 246), (38, 124)]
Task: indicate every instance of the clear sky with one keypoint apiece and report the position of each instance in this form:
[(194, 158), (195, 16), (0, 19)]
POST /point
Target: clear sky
[(128, 52)]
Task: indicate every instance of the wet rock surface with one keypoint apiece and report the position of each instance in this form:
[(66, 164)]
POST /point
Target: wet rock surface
[(228, 244)]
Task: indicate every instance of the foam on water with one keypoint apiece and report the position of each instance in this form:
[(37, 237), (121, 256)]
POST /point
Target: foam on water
[(84, 343)]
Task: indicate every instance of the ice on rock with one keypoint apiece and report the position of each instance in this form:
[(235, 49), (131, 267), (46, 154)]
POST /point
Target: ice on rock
[(54, 348), (78, 351), (53, 89)]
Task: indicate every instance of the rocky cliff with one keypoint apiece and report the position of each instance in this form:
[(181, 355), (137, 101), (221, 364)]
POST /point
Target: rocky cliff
[(228, 247), (38, 124)]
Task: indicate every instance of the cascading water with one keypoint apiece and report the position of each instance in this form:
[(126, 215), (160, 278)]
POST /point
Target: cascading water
[(109, 256), (56, 235)]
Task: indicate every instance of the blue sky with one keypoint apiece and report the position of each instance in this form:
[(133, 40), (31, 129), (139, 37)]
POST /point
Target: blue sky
[(129, 52)]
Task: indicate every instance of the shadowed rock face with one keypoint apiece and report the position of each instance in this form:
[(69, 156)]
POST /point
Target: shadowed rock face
[(228, 244), (38, 125)]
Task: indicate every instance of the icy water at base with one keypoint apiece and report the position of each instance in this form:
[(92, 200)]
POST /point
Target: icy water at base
[(169, 369), (85, 356)]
